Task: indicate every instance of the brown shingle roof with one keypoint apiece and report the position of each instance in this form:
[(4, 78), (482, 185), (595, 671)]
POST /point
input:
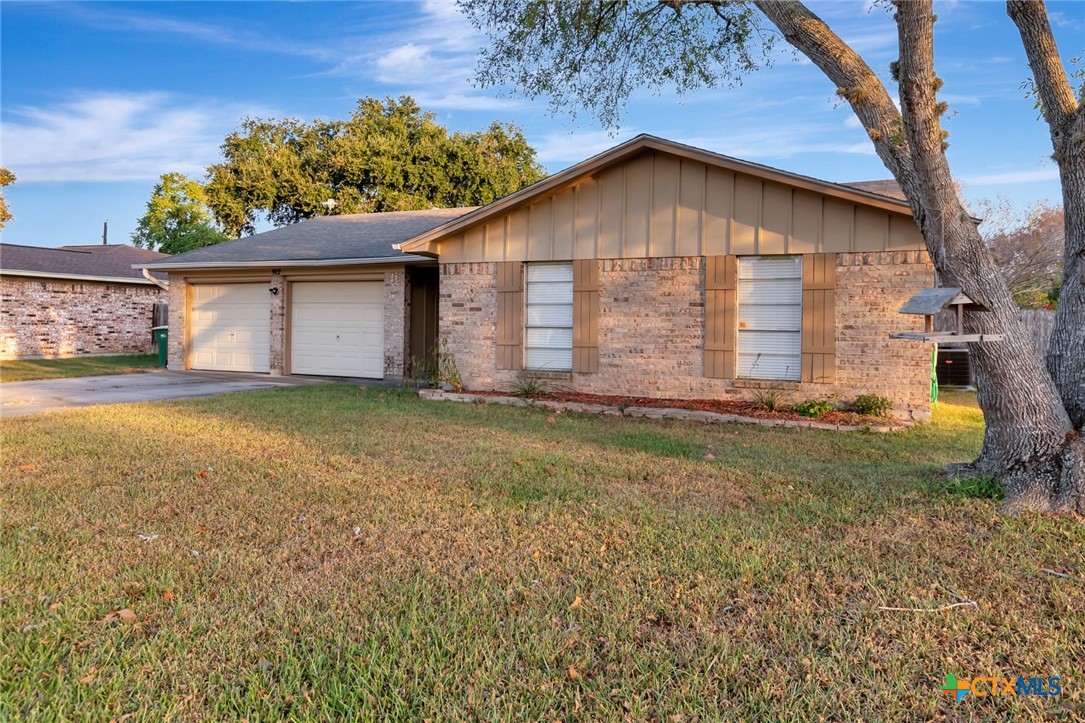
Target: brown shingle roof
[(326, 238), (114, 260), (886, 187)]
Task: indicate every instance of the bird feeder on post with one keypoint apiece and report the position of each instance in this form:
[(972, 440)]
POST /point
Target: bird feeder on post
[(929, 302)]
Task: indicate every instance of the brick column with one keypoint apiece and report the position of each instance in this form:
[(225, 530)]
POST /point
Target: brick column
[(178, 297), (278, 324), (395, 324)]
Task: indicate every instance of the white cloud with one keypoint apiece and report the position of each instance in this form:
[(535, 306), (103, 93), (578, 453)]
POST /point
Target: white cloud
[(116, 137), (566, 148), (1011, 177)]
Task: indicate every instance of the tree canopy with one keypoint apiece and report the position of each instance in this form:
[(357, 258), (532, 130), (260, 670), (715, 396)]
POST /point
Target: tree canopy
[(6, 179), (177, 218), (387, 156), (594, 53)]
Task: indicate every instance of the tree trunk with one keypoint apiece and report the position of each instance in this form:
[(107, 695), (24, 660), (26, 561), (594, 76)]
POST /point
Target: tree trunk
[(1030, 445), (1065, 118)]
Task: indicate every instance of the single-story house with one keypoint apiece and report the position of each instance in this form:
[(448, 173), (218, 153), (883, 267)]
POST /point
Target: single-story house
[(76, 300), (653, 269)]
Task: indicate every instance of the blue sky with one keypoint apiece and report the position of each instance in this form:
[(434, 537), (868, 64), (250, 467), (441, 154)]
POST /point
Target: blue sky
[(98, 99)]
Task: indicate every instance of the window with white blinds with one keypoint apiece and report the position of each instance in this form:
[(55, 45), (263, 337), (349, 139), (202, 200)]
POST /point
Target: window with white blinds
[(770, 317), (548, 317)]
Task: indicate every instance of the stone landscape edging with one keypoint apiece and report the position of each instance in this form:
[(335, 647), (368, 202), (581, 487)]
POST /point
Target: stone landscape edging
[(654, 412)]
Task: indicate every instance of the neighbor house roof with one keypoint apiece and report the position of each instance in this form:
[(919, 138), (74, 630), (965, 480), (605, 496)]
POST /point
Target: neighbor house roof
[(633, 147), (325, 240), (99, 262)]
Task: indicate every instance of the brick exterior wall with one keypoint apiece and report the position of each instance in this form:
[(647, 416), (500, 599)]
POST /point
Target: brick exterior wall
[(651, 331), (396, 316), (54, 317)]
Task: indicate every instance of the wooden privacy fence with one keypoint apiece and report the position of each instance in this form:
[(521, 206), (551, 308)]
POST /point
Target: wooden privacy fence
[(1038, 323)]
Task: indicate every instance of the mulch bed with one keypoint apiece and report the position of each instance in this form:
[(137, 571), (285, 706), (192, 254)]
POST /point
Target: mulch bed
[(720, 406)]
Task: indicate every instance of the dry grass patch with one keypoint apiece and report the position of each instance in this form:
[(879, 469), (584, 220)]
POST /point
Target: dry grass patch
[(327, 551)]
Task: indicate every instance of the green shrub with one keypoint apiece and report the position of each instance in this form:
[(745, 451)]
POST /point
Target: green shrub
[(813, 407), (873, 405)]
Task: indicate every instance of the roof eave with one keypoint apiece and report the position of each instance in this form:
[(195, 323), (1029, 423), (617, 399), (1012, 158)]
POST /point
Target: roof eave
[(76, 277), (278, 263)]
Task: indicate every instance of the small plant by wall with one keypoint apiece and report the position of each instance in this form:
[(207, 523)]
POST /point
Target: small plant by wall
[(813, 407), (529, 386), (771, 398), (873, 405), (448, 374)]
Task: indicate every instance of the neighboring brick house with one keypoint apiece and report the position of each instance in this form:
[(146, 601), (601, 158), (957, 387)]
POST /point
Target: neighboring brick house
[(653, 269), (75, 300)]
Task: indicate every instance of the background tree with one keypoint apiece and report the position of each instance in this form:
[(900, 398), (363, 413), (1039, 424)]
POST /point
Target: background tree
[(1027, 247), (388, 156), (6, 179), (595, 52), (177, 217)]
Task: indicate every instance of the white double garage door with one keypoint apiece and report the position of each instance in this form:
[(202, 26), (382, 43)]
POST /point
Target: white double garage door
[(336, 328)]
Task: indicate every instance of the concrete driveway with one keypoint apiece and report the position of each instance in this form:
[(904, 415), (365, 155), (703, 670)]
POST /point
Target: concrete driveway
[(47, 395)]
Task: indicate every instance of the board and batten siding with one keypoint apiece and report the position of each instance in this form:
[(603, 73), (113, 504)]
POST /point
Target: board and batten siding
[(660, 205)]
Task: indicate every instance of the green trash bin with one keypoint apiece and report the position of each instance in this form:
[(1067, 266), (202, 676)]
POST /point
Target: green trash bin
[(162, 338)]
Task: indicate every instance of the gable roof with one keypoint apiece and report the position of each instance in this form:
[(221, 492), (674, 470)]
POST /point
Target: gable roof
[(633, 147), (324, 240), (98, 262)]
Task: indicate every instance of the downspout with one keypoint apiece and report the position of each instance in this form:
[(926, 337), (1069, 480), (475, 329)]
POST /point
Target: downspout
[(156, 281)]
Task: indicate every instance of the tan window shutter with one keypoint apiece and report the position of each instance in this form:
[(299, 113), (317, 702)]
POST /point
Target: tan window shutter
[(510, 315), (586, 316), (819, 318), (721, 302)]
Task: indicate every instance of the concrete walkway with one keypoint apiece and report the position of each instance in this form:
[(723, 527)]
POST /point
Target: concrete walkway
[(47, 395)]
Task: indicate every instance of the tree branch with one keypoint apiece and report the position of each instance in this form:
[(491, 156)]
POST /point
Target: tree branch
[(855, 81), (1052, 84)]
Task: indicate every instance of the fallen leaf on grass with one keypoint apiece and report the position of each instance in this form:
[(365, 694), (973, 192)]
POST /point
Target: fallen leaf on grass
[(27, 467), (53, 607), (574, 674), (550, 420), (576, 604), (168, 596), (89, 677), (201, 474), (125, 616)]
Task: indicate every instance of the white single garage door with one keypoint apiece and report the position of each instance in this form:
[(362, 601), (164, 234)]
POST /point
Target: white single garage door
[(337, 328), (231, 327)]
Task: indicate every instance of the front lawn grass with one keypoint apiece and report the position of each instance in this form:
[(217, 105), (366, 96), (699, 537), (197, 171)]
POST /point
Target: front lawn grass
[(22, 370), (331, 552)]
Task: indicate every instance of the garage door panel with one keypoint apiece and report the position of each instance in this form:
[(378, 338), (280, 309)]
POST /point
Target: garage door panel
[(337, 328), (231, 327)]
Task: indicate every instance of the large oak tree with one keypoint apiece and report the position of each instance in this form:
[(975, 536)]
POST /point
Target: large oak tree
[(594, 53), (177, 218), (387, 156)]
